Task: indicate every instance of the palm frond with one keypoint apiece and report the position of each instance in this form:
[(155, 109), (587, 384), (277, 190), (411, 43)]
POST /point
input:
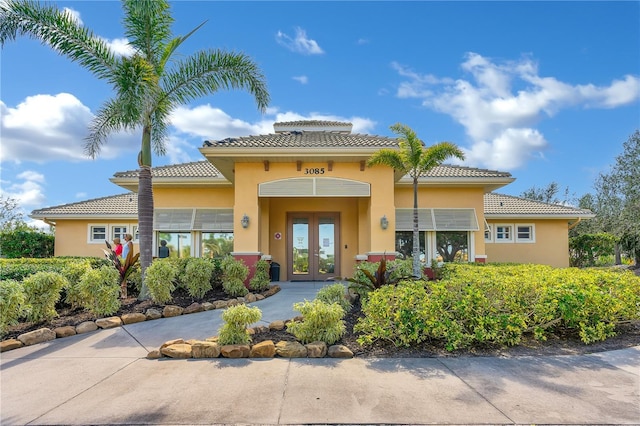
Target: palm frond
[(107, 120), (147, 25), (439, 153), (388, 157), (59, 30)]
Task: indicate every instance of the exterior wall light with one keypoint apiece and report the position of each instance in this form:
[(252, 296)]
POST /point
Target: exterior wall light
[(384, 222), (245, 221)]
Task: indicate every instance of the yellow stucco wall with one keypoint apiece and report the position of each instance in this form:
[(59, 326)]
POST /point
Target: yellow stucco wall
[(551, 246), (72, 237), (193, 197)]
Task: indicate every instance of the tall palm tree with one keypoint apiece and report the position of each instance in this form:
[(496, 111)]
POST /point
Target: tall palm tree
[(148, 85), (415, 159)]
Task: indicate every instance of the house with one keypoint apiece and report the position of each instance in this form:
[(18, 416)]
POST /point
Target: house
[(304, 197)]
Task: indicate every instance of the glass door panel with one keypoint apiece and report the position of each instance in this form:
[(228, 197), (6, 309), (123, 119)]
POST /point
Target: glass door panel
[(300, 249), (313, 242)]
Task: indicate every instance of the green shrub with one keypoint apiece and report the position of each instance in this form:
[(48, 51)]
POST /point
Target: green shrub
[(321, 322), (19, 269), (237, 318), (197, 276), (73, 272), (159, 279), (100, 290), (42, 292), (25, 241), (11, 304), (334, 293), (234, 273), (260, 280)]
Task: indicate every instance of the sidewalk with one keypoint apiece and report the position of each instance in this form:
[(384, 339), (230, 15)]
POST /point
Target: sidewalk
[(104, 378)]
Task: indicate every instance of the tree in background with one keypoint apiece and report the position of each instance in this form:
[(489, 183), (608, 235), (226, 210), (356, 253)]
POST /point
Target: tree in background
[(148, 85), (548, 194), (415, 159), (17, 239)]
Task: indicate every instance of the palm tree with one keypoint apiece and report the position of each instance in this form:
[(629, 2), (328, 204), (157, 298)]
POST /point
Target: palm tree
[(148, 85), (414, 159)]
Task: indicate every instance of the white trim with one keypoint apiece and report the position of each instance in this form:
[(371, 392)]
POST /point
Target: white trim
[(503, 240), (489, 229), (90, 239), (112, 235), (532, 233)]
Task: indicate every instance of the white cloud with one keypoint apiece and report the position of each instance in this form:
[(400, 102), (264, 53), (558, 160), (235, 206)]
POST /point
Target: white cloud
[(302, 79), (500, 119), (46, 128), (210, 123), (120, 46), (28, 191), (299, 43)]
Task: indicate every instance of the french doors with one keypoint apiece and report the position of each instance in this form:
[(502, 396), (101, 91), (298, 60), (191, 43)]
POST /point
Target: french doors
[(313, 246)]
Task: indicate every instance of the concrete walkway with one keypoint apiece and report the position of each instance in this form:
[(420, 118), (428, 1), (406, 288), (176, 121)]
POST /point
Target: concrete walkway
[(104, 378)]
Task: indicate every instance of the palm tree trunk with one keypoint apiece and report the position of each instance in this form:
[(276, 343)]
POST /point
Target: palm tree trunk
[(416, 232), (145, 224)]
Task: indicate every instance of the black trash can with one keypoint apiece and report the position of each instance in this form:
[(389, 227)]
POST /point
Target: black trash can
[(274, 271)]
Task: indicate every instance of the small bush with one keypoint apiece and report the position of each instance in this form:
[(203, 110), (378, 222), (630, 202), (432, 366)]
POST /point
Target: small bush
[(197, 276), (234, 273), (260, 280), (237, 318), (334, 293), (73, 273), (159, 279), (100, 289), (11, 304), (42, 292), (321, 322)]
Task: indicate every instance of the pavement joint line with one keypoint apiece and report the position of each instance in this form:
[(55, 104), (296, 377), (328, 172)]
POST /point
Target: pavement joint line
[(284, 391), (440, 360)]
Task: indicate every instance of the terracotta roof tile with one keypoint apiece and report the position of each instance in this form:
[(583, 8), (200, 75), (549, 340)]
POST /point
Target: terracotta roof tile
[(124, 205), (305, 139), (196, 169), (448, 171), (499, 204)]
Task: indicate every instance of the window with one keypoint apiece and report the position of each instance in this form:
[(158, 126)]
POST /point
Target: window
[(118, 231), (525, 233), (179, 243), (97, 233), (216, 244), (404, 243), (488, 234), (452, 246), (504, 233)]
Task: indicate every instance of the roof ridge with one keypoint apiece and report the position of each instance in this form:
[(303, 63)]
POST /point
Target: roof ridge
[(75, 203)]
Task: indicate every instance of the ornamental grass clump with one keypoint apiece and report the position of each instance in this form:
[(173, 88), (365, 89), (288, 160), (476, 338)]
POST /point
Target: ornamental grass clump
[(159, 279), (100, 290), (11, 304), (237, 318), (321, 322), (234, 273), (197, 276), (334, 293), (42, 292)]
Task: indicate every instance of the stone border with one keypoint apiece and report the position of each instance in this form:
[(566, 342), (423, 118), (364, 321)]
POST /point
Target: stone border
[(46, 334)]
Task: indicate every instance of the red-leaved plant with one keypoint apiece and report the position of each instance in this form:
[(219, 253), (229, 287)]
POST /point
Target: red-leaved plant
[(125, 269)]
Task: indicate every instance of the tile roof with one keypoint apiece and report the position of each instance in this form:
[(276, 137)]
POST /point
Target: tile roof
[(303, 123), (508, 205), (127, 205), (196, 169), (449, 171), (114, 205), (306, 139)]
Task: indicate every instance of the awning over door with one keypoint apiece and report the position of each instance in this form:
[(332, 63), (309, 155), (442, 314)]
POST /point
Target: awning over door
[(438, 220), (314, 187)]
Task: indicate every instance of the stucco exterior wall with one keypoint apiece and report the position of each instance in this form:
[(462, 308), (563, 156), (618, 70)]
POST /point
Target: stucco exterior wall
[(193, 197), (72, 237), (551, 246)]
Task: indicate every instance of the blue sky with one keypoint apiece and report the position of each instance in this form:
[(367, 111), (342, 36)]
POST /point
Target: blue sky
[(548, 91)]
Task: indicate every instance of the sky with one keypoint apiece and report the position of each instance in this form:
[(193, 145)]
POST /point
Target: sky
[(547, 91)]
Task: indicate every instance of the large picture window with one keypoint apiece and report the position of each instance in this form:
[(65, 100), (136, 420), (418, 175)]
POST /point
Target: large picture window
[(452, 246), (216, 244), (179, 243), (404, 243)]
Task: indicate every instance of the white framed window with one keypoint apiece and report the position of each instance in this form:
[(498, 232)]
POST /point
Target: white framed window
[(97, 233), (525, 233), (119, 231), (488, 234), (135, 233), (504, 233)]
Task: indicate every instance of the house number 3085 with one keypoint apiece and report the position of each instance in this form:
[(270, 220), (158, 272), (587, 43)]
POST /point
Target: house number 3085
[(314, 171)]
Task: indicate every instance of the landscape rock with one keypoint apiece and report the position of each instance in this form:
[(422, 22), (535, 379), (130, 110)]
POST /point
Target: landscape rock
[(259, 297), (220, 304), (133, 318), (250, 298), (340, 351), (110, 322), (154, 354), (171, 342), (179, 350), (86, 327), (152, 314), (291, 349), (66, 331), (276, 325), (9, 344), (37, 336), (266, 349), (208, 306), (316, 349), (193, 308), (235, 351), (204, 349), (172, 311)]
